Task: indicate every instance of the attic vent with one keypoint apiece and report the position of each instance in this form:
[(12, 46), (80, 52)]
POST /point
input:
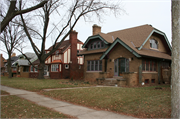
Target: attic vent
[(133, 44)]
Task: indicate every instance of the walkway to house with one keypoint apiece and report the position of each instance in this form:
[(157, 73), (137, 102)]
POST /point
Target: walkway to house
[(67, 108)]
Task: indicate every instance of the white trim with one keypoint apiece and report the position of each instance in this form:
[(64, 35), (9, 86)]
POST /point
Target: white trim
[(145, 72)]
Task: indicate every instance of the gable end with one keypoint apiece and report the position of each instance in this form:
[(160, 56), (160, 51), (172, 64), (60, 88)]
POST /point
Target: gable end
[(159, 32), (94, 37), (123, 44)]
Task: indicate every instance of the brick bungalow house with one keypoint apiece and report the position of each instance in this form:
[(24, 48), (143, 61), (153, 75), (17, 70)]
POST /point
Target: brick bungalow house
[(22, 64), (140, 55), (64, 63)]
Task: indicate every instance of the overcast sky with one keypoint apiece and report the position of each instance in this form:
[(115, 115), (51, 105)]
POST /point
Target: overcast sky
[(138, 12)]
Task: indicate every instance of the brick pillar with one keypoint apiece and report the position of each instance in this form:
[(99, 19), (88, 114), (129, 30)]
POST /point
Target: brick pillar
[(73, 58)]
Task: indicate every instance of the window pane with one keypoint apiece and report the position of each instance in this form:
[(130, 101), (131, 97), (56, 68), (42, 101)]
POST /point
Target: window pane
[(147, 65), (96, 65), (100, 65), (151, 66), (88, 65), (91, 47), (92, 65), (155, 66), (95, 45), (99, 45), (143, 65), (102, 44)]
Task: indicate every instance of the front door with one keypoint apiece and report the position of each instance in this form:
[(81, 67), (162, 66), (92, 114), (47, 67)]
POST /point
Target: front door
[(116, 68), (121, 65)]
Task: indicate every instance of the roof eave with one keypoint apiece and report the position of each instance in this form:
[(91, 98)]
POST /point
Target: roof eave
[(93, 37), (159, 32), (123, 44)]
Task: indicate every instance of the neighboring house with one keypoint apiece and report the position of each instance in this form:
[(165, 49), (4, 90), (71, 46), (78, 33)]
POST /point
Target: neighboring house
[(22, 64), (64, 62), (2, 64), (14, 58), (139, 54)]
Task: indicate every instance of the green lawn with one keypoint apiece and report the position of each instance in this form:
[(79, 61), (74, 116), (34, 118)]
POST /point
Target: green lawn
[(39, 84), (15, 107), (144, 102)]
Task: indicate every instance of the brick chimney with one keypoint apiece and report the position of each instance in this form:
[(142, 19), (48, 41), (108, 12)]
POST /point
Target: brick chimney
[(13, 55), (73, 42), (96, 29)]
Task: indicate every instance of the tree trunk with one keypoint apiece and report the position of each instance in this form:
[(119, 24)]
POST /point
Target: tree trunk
[(175, 75), (9, 67), (41, 70)]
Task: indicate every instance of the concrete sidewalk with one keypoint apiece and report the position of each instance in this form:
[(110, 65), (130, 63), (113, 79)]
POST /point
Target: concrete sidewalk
[(77, 111)]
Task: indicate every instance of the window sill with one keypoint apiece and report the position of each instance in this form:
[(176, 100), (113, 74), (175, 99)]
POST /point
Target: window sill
[(92, 71), (154, 49), (148, 72)]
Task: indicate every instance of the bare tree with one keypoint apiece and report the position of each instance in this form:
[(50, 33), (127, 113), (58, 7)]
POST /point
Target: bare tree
[(175, 77), (13, 11), (69, 13), (12, 37)]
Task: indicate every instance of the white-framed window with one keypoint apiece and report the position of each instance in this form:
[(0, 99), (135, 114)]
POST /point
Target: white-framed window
[(31, 68), (54, 67), (35, 69), (154, 44)]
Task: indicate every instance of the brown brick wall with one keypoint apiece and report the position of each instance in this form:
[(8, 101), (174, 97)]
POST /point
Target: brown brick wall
[(150, 76), (33, 74), (55, 75), (23, 74), (161, 47), (131, 79), (119, 51), (92, 75)]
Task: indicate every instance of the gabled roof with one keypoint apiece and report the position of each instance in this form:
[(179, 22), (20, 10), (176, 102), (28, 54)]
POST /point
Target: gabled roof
[(103, 37), (134, 39), (24, 62), (123, 44), (64, 45), (84, 52)]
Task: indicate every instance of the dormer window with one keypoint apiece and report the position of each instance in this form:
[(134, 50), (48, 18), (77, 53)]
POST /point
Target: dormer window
[(57, 52), (154, 44), (94, 45), (91, 46), (98, 44)]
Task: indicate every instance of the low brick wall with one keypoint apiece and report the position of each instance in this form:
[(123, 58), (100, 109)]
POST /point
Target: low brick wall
[(150, 76), (33, 75), (24, 74), (131, 78)]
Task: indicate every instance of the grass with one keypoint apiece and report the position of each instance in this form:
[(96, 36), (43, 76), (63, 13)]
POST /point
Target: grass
[(15, 107), (39, 84), (143, 102), (4, 92)]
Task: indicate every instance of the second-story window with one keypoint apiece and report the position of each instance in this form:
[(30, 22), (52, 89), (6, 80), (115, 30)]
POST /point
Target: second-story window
[(96, 45), (154, 44), (57, 52)]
